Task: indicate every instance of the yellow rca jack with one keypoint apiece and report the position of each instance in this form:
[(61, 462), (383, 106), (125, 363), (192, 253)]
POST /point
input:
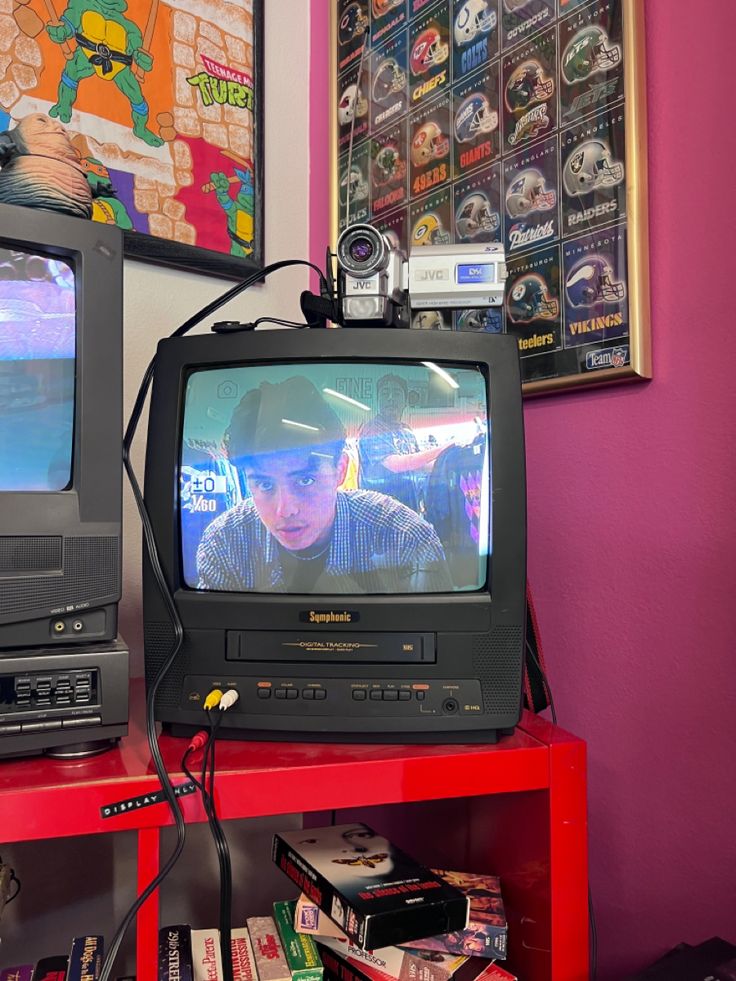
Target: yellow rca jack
[(213, 699)]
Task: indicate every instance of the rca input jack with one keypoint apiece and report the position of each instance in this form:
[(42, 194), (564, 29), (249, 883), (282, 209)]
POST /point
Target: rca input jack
[(59, 627)]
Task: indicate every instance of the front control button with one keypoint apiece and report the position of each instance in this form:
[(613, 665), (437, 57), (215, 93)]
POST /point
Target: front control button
[(376, 694), (404, 696), (280, 693), (292, 693), (391, 695), (308, 693), (264, 692), (420, 696), (359, 694), (320, 693)]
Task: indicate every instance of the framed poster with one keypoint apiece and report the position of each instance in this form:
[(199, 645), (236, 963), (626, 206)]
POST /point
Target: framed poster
[(522, 121), (162, 101)]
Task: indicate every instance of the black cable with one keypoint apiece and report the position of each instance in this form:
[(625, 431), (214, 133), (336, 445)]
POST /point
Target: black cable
[(223, 851), (167, 596), (545, 682)]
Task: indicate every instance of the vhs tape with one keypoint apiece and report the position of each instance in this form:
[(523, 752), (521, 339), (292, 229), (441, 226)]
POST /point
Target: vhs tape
[(400, 963), (373, 890), (486, 934), (301, 951)]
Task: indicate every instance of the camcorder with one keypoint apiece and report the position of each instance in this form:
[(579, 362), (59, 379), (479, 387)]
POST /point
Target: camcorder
[(379, 286)]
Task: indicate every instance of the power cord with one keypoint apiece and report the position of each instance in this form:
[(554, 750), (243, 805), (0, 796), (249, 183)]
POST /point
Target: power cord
[(168, 598)]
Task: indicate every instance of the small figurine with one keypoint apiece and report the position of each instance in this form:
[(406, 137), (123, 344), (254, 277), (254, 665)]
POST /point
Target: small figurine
[(40, 168)]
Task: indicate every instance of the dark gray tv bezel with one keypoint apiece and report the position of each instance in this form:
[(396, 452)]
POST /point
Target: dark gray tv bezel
[(92, 504), (497, 357)]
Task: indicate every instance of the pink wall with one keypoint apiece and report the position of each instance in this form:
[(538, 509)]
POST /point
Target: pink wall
[(632, 526)]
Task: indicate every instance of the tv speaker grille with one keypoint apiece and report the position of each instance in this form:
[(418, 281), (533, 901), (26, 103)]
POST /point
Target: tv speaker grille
[(158, 644), (497, 662), (89, 570), (27, 554)]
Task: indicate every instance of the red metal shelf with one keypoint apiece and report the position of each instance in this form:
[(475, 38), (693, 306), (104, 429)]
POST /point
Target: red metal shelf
[(531, 783)]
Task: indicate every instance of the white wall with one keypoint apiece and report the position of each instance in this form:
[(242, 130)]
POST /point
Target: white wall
[(157, 299), (72, 886)]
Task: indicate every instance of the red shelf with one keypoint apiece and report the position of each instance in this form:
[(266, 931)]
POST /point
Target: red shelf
[(531, 783)]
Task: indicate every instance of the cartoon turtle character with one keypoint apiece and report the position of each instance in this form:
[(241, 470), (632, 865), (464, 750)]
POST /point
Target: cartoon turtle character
[(239, 210), (106, 206), (108, 45)]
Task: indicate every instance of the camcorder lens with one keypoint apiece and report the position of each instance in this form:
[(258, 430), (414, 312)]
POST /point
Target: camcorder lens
[(361, 249)]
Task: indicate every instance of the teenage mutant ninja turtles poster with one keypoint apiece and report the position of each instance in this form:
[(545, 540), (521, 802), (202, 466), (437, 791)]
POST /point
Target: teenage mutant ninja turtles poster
[(521, 121), (161, 99)]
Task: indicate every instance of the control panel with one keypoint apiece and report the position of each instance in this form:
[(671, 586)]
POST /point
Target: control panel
[(31, 701), (374, 698)]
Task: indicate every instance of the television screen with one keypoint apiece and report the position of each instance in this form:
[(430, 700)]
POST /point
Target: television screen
[(37, 372), (335, 478)]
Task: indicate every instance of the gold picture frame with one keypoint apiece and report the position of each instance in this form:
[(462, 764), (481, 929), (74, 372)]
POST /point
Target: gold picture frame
[(587, 334)]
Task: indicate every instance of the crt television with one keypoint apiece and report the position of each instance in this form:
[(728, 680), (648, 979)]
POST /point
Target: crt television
[(340, 516), (61, 430)]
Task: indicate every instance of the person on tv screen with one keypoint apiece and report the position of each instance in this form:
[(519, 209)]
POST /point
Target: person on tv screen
[(390, 457), (298, 532)]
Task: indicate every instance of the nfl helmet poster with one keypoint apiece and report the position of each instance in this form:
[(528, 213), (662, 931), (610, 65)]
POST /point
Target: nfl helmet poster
[(591, 61), (531, 197), (594, 293), (476, 120), (389, 171), (477, 206), (430, 146), (387, 17), (514, 121), (520, 19), (352, 25), (393, 226), (475, 35), (430, 220), (533, 306), (352, 108), (429, 52), (354, 187), (529, 96), (389, 82), (593, 172)]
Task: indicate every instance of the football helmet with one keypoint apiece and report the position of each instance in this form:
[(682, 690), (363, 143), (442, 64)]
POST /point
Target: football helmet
[(475, 216), (527, 193), (474, 117), (590, 51), (591, 281), (388, 79), (381, 7), (428, 230), (388, 166), (353, 22), (472, 19), (590, 167), (483, 319), (353, 185), (428, 143), (513, 5), (351, 104), (529, 300), (429, 51), (428, 320), (527, 85)]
